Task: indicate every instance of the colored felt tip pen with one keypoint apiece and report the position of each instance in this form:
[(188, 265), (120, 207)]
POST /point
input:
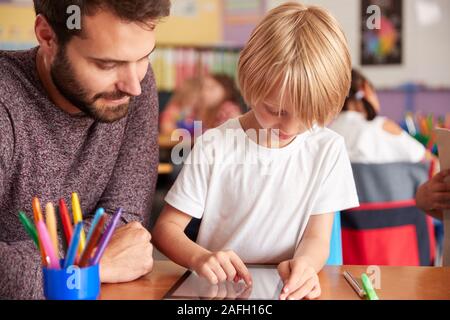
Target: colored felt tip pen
[(106, 237), (77, 218), (29, 228), (37, 210), (98, 214), (65, 219), (37, 213), (72, 251), (368, 288), (92, 243), (46, 242)]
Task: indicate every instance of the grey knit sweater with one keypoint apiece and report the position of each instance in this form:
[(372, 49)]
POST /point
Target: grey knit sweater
[(48, 153)]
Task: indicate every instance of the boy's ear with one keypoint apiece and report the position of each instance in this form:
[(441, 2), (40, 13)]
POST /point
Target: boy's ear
[(45, 36)]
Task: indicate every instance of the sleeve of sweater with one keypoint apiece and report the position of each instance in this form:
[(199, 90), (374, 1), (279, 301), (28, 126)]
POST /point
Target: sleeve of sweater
[(6, 145), (20, 265), (133, 182), (20, 269)]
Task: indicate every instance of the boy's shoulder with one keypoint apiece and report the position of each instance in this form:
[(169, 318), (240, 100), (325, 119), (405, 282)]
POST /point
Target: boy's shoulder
[(231, 124), (220, 134), (325, 136), (231, 131)]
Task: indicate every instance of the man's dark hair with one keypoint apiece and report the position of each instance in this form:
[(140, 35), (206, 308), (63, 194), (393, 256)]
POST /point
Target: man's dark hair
[(141, 11)]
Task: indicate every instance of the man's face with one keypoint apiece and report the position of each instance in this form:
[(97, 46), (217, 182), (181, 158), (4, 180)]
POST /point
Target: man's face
[(102, 70)]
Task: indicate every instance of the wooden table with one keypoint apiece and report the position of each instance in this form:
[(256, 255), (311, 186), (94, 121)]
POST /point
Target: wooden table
[(402, 283)]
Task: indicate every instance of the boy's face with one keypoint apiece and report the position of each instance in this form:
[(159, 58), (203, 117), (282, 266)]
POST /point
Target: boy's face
[(281, 121), (102, 70)]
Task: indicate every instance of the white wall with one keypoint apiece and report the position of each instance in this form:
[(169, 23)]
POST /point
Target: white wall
[(426, 49)]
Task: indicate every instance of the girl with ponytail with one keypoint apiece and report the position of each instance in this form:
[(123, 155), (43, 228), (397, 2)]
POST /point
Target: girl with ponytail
[(369, 137)]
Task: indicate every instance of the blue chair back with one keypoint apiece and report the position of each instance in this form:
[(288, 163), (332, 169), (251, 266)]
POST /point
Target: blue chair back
[(335, 258)]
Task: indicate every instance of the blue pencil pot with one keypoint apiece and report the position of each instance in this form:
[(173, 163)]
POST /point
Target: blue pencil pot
[(72, 283)]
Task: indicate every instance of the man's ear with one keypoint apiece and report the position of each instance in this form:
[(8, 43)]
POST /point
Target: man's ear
[(45, 36)]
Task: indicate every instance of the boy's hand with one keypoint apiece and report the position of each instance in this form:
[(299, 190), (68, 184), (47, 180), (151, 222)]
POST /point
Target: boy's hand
[(435, 194), (222, 266), (300, 280)]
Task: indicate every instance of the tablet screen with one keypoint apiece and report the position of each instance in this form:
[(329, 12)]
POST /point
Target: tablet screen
[(267, 285)]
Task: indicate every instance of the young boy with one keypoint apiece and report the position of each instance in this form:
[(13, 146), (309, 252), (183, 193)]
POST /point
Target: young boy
[(270, 200)]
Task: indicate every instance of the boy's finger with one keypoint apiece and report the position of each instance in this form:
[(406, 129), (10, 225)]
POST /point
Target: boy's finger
[(297, 279), (301, 292), (209, 274), (241, 269), (219, 272), (229, 269), (284, 270), (315, 293)]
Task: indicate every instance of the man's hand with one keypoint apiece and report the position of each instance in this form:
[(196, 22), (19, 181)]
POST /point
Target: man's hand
[(300, 280), (128, 255), (434, 195)]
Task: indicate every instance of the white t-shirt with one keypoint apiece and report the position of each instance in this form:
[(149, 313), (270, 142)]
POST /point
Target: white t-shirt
[(368, 142), (257, 201)]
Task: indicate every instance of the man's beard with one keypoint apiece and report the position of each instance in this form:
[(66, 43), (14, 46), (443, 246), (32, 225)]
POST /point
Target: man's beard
[(63, 77)]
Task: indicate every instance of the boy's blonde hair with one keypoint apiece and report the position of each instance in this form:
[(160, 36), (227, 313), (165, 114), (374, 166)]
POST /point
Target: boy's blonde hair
[(304, 50)]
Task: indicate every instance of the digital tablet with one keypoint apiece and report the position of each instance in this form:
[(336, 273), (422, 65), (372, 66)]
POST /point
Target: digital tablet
[(267, 285)]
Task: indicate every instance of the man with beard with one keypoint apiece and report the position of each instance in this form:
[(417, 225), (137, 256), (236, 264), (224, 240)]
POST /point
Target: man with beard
[(79, 113)]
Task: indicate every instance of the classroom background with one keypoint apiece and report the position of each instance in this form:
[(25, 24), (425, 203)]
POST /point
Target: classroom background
[(408, 60)]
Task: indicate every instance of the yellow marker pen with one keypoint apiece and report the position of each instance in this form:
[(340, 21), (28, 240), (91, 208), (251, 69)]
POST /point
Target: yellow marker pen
[(78, 217)]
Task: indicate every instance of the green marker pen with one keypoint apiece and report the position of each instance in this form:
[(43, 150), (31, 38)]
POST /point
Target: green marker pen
[(367, 285), (29, 227)]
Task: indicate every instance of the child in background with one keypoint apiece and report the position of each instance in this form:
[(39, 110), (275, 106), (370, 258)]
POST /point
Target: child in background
[(212, 99), (180, 111), (371, 138), (267, 184), (219, 101)]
